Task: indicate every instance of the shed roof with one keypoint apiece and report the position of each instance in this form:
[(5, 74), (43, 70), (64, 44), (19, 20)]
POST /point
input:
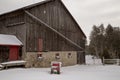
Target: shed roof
[(9, 40)]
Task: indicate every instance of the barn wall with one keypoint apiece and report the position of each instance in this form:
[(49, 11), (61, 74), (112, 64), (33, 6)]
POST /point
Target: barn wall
[(51, 41), (54, 14), (33, 61)]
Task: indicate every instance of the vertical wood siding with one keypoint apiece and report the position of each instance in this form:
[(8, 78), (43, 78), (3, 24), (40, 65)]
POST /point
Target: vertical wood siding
[(55, 15), (14, 24), (29, 31)]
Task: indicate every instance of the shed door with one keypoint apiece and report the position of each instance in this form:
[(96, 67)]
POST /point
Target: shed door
[(14, 53)]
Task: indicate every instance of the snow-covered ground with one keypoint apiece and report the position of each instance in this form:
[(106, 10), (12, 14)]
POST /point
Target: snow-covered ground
[(92, 60), (93, 70), (14, 62)]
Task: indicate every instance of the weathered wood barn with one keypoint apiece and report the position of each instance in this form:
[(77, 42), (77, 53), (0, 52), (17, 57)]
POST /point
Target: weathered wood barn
[(48, 33)]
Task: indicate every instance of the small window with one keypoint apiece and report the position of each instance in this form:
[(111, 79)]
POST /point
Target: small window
[(39, 56), (57, 56), (69, 55)]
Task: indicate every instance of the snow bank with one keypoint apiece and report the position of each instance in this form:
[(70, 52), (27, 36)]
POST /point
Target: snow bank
[(1, 67), (14, 62), (92, 60)]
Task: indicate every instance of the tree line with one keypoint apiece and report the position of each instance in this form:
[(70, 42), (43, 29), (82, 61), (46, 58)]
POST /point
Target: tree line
[(105, 42)]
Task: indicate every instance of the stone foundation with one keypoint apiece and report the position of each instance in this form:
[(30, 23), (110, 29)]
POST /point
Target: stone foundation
[(66, 57)]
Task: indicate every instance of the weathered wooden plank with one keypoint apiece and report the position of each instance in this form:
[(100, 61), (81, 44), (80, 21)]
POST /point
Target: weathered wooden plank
[(37, 19), (55, 15), (15, 24)]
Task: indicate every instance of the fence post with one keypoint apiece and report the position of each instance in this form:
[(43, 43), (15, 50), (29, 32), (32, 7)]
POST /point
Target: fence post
[(118, 62), (103, 60)]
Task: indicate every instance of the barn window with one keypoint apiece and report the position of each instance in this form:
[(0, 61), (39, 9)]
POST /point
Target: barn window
[(57, 56), (69, 55), (39, 56), (17, 19)]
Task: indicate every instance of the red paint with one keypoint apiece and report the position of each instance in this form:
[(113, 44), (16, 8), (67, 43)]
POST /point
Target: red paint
[(14, 53), (40, 44), (56, 64)]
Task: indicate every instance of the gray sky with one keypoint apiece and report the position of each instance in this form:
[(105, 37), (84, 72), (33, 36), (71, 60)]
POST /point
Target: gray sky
[(86, 12)]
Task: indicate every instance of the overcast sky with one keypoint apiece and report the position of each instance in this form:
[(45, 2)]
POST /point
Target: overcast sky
[(86, 12)]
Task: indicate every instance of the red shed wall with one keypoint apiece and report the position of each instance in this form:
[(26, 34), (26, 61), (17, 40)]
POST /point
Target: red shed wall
[(14, 53)]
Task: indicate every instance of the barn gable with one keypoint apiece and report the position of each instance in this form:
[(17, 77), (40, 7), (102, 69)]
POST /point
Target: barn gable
[(55, 15)]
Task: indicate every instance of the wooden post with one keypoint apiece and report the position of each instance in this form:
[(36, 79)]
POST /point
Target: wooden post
[(118, 61), (103, 61)]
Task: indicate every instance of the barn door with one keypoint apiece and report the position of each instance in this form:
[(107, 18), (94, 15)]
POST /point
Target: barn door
[(14, 53), (80, 57), (40, 45)]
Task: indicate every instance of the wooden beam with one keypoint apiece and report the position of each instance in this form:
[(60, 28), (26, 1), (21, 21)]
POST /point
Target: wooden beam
[(14, 24), (40, 21)]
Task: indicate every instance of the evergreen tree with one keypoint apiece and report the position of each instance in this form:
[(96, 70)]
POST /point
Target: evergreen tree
[(105, 42), (97, 40)]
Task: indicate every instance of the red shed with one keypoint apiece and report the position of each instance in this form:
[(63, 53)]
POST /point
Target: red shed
[(9, 48)]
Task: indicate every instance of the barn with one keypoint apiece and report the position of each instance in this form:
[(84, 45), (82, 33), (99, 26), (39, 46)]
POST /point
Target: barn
[(47, 32)]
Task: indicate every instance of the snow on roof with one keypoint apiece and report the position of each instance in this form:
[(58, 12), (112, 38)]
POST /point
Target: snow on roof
[(9, 40)]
